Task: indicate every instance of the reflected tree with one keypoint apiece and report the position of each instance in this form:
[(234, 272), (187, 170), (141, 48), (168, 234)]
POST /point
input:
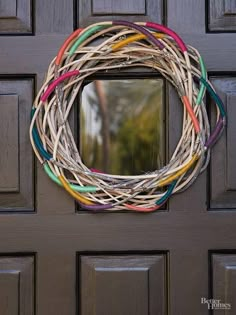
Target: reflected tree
[(129, 139)]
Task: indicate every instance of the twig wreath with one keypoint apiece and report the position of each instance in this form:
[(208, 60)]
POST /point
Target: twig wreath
[(121, 45)]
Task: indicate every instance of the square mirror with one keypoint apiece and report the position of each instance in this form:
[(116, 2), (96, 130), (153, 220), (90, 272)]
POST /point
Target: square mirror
[(122, 126)]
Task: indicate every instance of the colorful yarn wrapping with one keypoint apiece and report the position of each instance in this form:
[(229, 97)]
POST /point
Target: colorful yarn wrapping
[(123, 45)]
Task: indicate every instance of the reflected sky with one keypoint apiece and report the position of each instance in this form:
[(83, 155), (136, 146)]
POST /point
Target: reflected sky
[(122, 126)]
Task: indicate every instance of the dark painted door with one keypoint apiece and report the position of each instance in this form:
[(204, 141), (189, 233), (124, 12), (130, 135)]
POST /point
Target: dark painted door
[(56, 260)]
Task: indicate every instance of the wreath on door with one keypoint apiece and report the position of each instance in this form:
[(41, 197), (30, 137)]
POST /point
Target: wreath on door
[(120, 45)]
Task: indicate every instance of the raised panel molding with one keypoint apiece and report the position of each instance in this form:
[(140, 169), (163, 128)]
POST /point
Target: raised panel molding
[(93, 11), (9, 162), (222, 15), (223, 281), (114, 7), (127, 285), (16, 17), (17, 285), (16, 159), (222, 167), (230, 7), (8, 9)]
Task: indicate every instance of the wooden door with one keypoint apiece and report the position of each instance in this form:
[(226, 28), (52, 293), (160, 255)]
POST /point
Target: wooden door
[(58, 260)]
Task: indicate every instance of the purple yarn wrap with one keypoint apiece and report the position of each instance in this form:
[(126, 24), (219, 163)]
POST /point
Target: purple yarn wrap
[(96, 207), (141, 30), (213, 137)]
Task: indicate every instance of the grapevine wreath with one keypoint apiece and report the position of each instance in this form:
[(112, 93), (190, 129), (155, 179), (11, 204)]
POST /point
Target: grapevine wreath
[(121, 45)]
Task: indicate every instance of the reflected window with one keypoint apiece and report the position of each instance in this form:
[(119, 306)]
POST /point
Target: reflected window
[(122, 126)]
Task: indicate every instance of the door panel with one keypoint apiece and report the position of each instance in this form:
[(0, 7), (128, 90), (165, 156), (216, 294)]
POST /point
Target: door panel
[(112, 7), (96, 10), (16, 159), (16, 17), (17, 285), (222, 15), (9, 179), (224, 281), (149, 264), (223, 172), (118, 285)]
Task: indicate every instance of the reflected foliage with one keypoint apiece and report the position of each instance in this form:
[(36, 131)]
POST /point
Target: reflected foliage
[(122, 126)]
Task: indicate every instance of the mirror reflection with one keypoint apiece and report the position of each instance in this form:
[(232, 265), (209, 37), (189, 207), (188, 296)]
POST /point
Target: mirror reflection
[(122, 126)]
